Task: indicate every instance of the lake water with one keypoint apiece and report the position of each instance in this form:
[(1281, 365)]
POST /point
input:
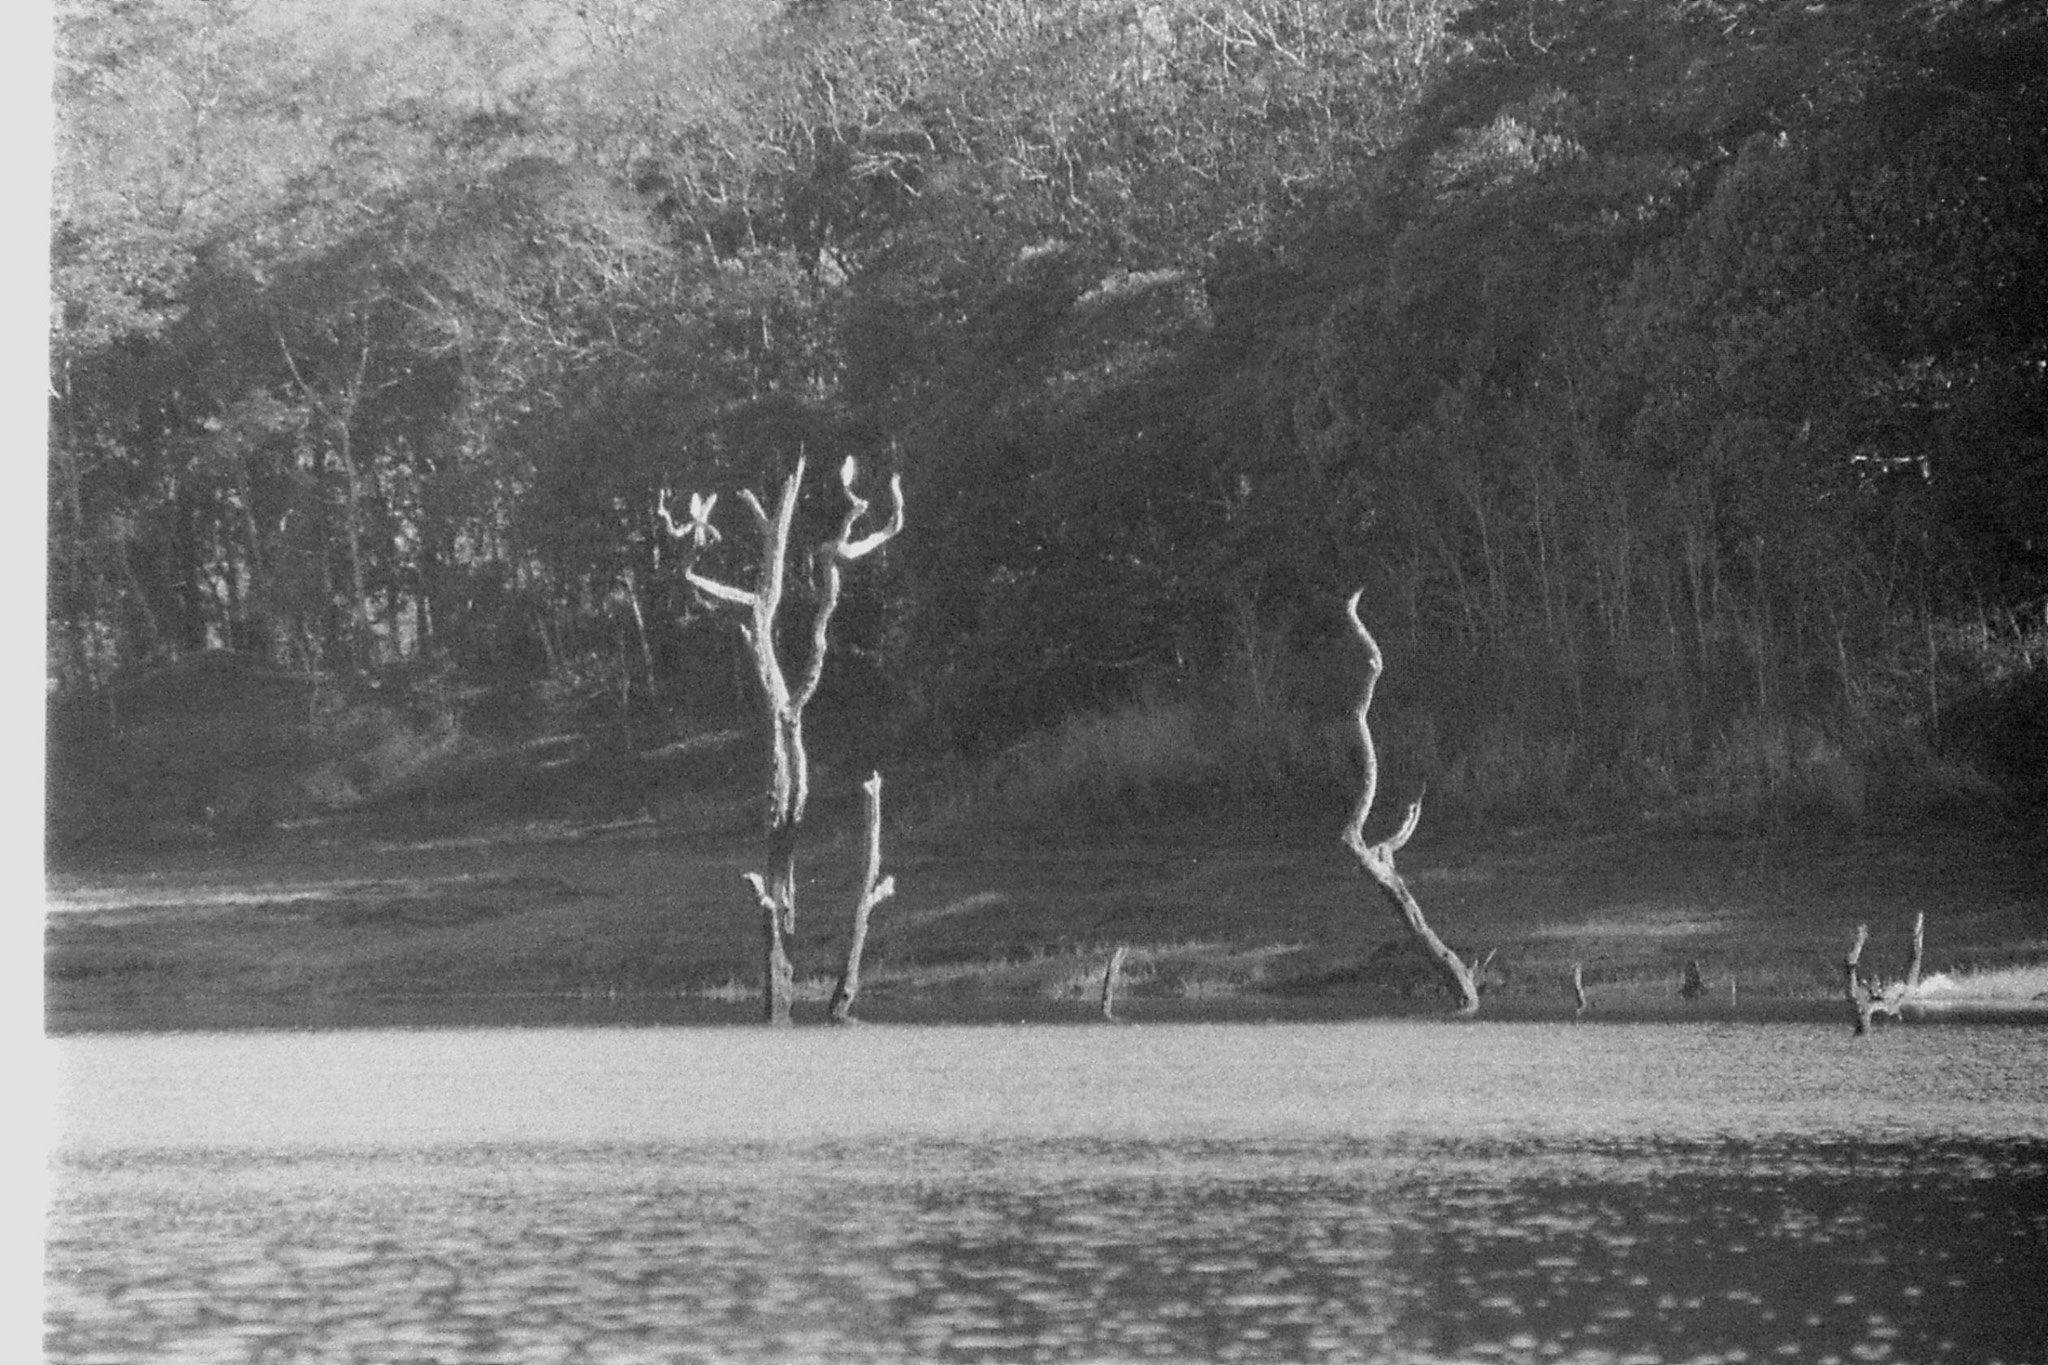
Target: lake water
[(1404, 1192)]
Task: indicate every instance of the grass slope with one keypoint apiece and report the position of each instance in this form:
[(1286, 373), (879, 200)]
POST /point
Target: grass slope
[(645, 918)]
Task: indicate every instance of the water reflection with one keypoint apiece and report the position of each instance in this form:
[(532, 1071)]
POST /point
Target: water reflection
[(1827, 1231)]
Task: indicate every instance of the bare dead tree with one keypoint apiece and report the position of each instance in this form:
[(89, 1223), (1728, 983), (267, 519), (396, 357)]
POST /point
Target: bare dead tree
[(789, 775), (874, 889), (1875, 996), (1378, 859)]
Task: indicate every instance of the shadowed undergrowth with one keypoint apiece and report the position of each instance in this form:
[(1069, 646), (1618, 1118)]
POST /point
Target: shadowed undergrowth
[(1148, 761)]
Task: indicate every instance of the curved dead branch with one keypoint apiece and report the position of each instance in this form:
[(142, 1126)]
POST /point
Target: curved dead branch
[(1378, 859)]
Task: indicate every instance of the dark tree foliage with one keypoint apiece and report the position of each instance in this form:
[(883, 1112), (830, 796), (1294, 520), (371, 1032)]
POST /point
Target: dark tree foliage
[(1663, 369)]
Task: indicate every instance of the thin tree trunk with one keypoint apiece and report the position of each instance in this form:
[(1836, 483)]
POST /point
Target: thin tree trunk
[(1112, 977), (640, 630), (550, 650), (778, 984), (359, 593), (341, 418), (152, 627)]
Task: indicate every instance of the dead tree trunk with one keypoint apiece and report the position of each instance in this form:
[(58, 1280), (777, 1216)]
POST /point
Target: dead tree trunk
[(789, 768), (874, 889), (1378, 859), (1112, 977), (1874, 997)]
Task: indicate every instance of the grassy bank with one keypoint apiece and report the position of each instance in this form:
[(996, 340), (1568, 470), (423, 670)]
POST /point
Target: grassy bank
[(643, 916), (408, 864)]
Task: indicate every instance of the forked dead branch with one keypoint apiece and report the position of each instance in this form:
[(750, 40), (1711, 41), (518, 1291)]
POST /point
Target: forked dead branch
[(1378, 859), (789, 774)]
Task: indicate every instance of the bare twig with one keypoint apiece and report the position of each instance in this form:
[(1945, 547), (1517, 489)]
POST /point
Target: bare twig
[(847, 548), (843, 549)]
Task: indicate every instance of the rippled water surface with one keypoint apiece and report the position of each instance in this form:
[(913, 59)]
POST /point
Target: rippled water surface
[(1285, 1193)]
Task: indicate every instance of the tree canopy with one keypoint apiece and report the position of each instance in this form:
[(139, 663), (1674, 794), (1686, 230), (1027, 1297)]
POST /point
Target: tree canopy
[(1660, 365)]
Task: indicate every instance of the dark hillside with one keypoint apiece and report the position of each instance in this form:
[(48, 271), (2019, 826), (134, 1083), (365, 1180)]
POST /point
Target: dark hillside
[(1673, 376)]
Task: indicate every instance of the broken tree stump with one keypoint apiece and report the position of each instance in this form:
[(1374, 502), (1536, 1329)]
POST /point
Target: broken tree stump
[(874, 889), (1112, 977)]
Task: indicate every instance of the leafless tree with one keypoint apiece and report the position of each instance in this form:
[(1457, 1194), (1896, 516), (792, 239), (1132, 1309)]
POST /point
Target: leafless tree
[(1378, 859), (789, 774)]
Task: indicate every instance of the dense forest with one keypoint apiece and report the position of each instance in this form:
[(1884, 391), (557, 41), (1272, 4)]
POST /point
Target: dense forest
[(1673, 374)]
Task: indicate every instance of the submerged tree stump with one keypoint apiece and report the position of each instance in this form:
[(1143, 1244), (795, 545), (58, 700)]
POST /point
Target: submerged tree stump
[(1875, 997), (874, 889), (1112, 977), (1378, 859)]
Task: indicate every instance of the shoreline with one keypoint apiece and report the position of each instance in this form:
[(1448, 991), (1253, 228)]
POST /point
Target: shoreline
[(511, 1012), (648, 924)]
